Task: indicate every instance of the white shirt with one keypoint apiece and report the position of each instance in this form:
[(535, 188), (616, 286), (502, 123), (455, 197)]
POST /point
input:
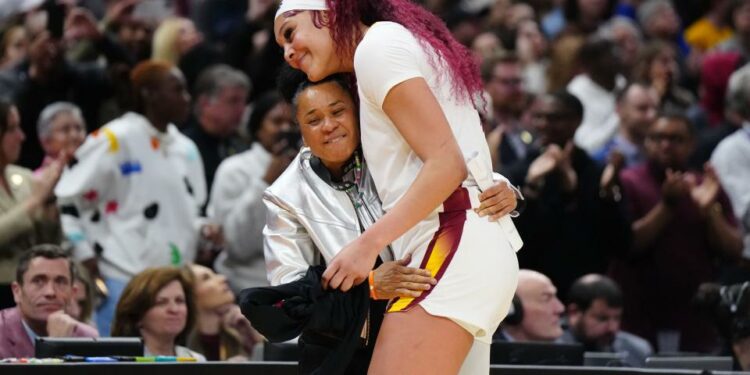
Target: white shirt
[(731, 160), (237, 204), (133, 194), (600, 120), (388, 55)]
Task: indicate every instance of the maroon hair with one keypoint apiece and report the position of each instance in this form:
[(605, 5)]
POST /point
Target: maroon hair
[(430, 31)]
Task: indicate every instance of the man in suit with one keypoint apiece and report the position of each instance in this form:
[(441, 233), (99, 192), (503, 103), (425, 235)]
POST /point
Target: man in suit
[(43, 290)]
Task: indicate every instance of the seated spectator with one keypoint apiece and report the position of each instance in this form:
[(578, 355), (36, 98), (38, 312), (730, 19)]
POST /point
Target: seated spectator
[(42, 290), (542, 310), (594, 313), (131, 197), (237, 195), (561, 184), (682, 228), (27, 212), (84, 296), (158, 305), (221, 331), (61, 129)]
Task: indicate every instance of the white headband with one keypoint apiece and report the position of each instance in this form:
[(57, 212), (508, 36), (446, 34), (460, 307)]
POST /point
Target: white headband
[(287, 5)]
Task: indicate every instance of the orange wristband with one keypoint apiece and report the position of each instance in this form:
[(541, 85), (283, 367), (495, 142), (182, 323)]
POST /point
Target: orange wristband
[(371, 281)]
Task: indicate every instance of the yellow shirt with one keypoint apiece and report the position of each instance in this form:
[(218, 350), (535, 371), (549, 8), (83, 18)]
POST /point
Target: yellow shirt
[(705, 35)]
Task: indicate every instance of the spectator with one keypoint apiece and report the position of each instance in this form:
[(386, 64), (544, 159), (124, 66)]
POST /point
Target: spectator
[(503, 80), (131, 197), (626, 35), (61, 130), (594, 312), (84, 296), (221, 93), (682, 226), (563, 65), (658, 66), (711, 29), (177, 41), (659, 21), (46, 77), (561, 184), (731, 159), (739, 12), (486, 45), (27, 212), (158, 305), (13, 44), (636, 109), (532, 48), (251, 47), (222, 333), (237, 196), (584, 17), (542, 310), (595, 88), (715, 73), (173, 39), (716, 111), (42, 289), (134, 34)]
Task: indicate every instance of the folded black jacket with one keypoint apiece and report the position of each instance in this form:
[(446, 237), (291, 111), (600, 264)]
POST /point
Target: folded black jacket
[(283, 312)]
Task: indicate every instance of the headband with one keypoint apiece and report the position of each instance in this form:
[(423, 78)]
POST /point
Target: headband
[(287, 5)]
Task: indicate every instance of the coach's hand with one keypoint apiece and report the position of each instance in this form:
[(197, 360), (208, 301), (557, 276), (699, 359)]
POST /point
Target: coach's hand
[(395, 279), (350, 267)]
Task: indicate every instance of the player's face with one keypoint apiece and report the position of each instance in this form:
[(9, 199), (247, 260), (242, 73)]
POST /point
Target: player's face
[(307, 45)]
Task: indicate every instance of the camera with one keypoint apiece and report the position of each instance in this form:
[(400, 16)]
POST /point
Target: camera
[(729, 306)]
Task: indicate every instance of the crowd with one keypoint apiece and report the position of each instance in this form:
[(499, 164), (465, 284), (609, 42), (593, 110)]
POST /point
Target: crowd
[(137, 140)]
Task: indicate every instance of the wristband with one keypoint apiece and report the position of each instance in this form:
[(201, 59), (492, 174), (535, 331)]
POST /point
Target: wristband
[(371, 281)]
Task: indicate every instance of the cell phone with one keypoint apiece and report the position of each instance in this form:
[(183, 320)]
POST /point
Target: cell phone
[(55, 18)]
